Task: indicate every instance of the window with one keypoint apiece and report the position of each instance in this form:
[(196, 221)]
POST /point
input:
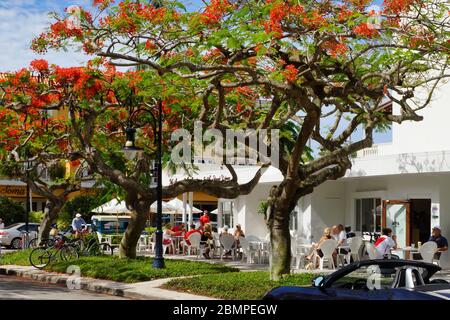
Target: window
[(227, 214), (368, 215)]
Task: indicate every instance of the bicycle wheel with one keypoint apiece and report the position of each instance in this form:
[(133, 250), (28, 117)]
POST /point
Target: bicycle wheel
[(98, 249), (78, 244), (33, 243), (48, 243), (40, 258), (69, 252)]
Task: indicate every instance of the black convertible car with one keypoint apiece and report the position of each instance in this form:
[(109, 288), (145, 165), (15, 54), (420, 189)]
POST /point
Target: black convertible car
[(372, 280)]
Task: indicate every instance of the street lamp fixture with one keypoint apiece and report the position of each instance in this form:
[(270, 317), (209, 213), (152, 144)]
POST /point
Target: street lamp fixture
[(130, 150)]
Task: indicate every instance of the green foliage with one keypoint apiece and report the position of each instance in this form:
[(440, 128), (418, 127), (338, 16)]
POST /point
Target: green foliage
[(57, 171), (124, 270), (237, 286), (36, 216), (262, 208), (11, 211), (83, 204), (150, 230)]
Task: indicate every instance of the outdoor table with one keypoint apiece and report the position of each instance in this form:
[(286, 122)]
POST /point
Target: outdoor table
[(407, 252), (176, 242)]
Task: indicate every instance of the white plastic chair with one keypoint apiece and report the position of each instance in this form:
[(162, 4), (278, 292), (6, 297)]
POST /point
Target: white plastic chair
[(327, 247), (227, 243), (194, 240), (355, 244), (371, 251), (298, 258), (427, 251), (142, 244), (247, 250)]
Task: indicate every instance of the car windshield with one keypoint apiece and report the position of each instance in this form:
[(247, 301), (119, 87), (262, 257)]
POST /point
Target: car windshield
[(370, 277), (13, 225)]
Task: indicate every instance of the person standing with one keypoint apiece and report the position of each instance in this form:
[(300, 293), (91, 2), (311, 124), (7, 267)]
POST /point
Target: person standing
[(441, 241), (78, 225), (204, 219), (2, 225)]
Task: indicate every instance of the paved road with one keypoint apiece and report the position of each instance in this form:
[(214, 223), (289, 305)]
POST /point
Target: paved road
[(13, 288)]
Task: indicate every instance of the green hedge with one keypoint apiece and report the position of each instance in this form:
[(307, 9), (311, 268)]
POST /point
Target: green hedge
[(124, 270), (237, 286)]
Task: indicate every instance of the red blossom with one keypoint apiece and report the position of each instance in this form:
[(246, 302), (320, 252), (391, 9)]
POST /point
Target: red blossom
[(39, 65), (366, 30), (290, 73)]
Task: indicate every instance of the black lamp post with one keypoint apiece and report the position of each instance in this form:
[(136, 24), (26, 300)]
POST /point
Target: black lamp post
[(131, 151)]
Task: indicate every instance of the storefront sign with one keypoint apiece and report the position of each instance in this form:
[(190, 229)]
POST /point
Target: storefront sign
[(13, 191)]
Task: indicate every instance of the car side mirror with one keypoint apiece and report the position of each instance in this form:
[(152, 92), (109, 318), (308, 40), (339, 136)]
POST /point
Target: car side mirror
[(318, 282)]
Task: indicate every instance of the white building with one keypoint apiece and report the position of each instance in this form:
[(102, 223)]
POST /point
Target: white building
[(403, 184)]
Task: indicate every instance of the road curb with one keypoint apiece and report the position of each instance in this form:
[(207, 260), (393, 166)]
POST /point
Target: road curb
[(140, 291)]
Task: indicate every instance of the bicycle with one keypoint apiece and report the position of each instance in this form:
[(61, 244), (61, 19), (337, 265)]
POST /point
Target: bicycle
[(43, 256), (93, 247)]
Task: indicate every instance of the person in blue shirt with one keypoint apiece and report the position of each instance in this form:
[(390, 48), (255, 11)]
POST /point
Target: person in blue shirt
[(78, 225), (442, 243)]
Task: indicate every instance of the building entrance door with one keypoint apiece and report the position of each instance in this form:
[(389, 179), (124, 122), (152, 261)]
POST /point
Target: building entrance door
[(396, 215)]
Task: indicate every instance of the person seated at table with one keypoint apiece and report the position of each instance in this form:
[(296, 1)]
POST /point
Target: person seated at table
[(441, 241), (179, 230), (225, 230), (385, 243), (191, 231), (239, 232), (207, 236), (316, 247), (167, 235), (341, 237)]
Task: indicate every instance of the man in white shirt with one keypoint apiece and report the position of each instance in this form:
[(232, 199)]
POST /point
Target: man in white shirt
[(339, 235), (385, 243)]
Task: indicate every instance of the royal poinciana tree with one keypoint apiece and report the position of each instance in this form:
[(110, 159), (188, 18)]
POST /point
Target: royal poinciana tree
[(97, 105), (35, 145), (327, 66)]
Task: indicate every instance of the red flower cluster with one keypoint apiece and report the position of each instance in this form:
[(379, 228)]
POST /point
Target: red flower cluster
[(290, 73), (102, 3), (215, 11), (397, 6), (335, 48), (278, 12), (366, 30), (40, 65), (315, 20)]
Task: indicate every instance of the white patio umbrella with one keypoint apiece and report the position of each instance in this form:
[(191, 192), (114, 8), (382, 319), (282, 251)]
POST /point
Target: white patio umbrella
[(179, 206), (215, 211), (113, 207), (166, 208)]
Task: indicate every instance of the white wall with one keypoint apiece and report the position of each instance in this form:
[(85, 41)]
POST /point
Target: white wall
[(327, 207), (247, 211), (432, 133)]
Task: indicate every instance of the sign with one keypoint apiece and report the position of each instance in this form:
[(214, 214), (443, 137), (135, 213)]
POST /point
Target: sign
[(15, 192)]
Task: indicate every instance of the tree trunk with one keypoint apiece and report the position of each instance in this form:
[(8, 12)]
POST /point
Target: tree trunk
[(280, 241), (281, 203), (134, 230), (51, 212)]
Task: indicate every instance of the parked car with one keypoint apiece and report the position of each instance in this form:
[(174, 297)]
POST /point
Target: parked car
[(11, 236), (372, 280)]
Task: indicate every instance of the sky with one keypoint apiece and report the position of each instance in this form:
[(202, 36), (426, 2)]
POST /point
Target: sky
[(22, 20)]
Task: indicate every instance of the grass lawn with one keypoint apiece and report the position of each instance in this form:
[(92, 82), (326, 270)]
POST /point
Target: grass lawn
[(124, 270), (236, 286)]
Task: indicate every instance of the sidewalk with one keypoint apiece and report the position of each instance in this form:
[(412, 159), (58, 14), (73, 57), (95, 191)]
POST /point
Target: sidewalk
[(139, 291)]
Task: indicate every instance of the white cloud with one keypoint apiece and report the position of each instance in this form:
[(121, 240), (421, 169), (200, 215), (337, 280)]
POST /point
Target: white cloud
[(20, 22)]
